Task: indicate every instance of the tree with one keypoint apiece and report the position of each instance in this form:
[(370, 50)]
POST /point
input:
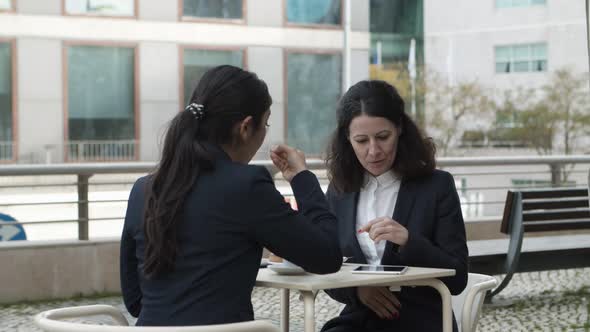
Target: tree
[(451, 110), (522, 118), (567, 96), (445, 111), (551, 119)]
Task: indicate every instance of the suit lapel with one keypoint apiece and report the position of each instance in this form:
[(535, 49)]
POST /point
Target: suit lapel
[(405, 201), (347, 207), (401, 214)]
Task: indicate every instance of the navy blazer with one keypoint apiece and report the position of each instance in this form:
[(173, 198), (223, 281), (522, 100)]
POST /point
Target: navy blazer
[(230, 214), (429, 208)]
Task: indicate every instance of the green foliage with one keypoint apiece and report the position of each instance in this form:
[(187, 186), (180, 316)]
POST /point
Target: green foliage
[(551, 119), (567, 96), (473, 136), (525, 119), (559, 112), (449, 109)]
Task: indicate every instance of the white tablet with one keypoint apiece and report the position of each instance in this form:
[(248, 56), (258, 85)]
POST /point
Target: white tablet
[(380, 269)]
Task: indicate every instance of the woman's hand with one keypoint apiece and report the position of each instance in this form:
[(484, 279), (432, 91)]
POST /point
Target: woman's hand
[(380, 300), (288, 160), (385, 228)]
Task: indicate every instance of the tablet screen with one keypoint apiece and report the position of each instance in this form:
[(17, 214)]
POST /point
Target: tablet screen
[(397, 269)]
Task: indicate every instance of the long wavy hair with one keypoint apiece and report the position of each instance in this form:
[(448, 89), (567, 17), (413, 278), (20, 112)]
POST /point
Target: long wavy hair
[(415, 153), (228, 95)]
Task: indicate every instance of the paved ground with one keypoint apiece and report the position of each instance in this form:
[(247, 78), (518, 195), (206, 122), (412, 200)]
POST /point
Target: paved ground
[(543, 301)]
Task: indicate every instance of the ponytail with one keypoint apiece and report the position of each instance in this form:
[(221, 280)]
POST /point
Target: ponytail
[(167, 189), (224, 96)]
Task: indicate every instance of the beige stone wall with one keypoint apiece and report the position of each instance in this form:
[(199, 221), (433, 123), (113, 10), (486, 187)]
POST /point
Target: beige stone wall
[(58, 269), (43, 270)]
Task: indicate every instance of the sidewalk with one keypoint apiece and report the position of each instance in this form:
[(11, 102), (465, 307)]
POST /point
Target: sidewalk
[(538, 301)]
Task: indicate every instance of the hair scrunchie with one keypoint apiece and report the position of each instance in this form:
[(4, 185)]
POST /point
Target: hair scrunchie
[(198, 110)]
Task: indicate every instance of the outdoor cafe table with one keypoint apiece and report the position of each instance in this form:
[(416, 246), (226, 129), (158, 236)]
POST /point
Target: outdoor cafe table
[(309, 284)]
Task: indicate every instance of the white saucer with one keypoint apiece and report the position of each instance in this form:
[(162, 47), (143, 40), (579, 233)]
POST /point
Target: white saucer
[(286, 269)]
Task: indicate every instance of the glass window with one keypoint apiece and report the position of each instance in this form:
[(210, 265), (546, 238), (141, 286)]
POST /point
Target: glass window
[(540, 65), (503, 53), (197, 62), (314, 11), (101, 102), (394, 23), (101, 7), (521, 58), (6, 130), (503, 3), (5, 4), (229, 9), (539, 51), (395, 26), (521, 52), (518, 3), (313, 87), (502, 67), (521, 66)]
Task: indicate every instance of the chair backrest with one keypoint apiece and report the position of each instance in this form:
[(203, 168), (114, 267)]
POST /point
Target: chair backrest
[(550, 209), (467, 305), (51, 321)]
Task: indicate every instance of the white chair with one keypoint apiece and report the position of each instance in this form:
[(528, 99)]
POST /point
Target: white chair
[(467, 305), (51, 321)]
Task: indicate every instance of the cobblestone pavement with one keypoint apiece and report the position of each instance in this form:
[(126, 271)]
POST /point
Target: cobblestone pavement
[(538, 301), (542, 301)]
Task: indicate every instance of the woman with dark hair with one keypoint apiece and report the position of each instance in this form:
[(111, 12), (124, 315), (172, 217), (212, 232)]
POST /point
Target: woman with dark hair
[(195, 228), (393, 208)]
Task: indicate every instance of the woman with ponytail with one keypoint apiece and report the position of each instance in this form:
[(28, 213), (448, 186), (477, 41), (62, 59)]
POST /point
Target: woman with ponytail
[(195, 228), (393, 208)]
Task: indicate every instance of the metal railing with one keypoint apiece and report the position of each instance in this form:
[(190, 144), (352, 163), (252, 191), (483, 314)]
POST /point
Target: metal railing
[(117, 150), (482, 183), (493, 144)]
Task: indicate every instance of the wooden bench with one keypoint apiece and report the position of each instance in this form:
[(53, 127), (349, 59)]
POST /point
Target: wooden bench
[(532, 211)]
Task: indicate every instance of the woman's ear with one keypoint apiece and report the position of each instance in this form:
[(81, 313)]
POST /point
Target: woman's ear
[(246, 128)]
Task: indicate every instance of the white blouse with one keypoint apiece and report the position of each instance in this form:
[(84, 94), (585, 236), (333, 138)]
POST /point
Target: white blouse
[(377, 199)]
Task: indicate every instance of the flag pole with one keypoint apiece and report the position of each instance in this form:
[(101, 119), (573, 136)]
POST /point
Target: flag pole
[(347, 52), (412, 73)]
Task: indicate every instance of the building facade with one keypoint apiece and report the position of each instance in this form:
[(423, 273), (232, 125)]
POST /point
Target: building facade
[(505, 43), (506, 46), (92, 80)]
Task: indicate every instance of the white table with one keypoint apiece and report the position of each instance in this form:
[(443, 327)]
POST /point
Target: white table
[(308, 284)]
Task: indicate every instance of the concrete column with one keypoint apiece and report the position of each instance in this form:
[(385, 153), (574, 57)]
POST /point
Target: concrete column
[(158, 10), (360, 66), (265, 13), (40, 116), (359, 58), (267, 63), (360, 15), (159, 94), (36, 7)]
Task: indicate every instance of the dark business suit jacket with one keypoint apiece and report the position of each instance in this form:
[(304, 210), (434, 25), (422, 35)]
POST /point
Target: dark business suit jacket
[(429, 208), (230, 214)]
